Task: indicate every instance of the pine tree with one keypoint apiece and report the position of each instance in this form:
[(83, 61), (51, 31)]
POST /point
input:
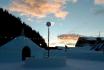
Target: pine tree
[(11, 27)]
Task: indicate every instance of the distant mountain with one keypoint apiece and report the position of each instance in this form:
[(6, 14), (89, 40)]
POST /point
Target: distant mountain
[(11, 27)]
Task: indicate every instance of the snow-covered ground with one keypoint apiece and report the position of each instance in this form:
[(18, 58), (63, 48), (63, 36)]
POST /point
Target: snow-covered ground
[(76, 59)]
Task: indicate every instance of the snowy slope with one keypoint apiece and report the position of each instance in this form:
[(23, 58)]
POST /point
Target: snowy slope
[(72, 64), (12, 51), (84, 53), (77, 59)]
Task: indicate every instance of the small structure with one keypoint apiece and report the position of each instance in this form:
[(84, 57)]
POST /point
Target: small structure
[(19, 49)]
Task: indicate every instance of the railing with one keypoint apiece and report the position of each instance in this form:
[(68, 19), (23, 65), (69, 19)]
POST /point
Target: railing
[(98, 46)]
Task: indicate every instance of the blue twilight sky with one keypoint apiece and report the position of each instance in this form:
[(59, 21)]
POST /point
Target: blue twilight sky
[(84, 17)]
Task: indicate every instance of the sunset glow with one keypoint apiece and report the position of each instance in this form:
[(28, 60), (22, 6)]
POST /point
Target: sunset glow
[(66, 39), (82, 17), (39, 8)]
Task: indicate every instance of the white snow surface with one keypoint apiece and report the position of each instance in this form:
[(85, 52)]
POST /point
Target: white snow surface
[(12, 51), (76, 59)]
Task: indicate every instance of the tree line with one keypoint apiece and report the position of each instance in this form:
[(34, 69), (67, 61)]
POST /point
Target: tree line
[(11, 27)]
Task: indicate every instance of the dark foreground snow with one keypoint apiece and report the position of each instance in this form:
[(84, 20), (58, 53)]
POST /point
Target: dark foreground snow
[(76, 59), (71, 64)]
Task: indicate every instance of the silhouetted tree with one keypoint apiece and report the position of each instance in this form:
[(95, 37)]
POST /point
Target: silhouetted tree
[(11, 27)]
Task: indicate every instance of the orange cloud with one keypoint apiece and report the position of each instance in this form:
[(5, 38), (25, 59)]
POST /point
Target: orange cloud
[(99, 1), (40, 8), (68, 38), (64, 39)]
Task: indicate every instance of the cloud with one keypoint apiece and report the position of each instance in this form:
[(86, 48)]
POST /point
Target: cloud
[(73, 1), (40, 8), (99, 7), (30, 19), (99, 2), (52, 23), (68, 38), (64, 39)]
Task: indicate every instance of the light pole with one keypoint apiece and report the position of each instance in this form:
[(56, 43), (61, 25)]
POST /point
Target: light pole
[(48, 24)]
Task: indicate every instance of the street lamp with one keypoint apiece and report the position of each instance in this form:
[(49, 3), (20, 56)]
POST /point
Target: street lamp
[(48, 24)]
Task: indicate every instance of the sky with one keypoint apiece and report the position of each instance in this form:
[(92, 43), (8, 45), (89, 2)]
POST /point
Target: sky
[(82, 17)]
